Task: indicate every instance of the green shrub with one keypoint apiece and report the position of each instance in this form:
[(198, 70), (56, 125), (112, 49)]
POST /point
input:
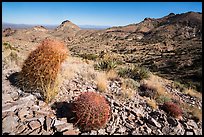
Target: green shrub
[(105, 65), (89, 56)]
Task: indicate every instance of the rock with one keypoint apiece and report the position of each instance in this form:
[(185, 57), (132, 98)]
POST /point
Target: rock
[(192, 123), (93, 132), (172, 121), (34, 124), (144, 129), (130, 126), (20, 128), (178, 130), (71, 132), (63, 127), (58, 122), (22, 113), (102, 132), (6, 98), (131, 117), (110, 129), (41, 119), (8, 107), (14, 96), (122, 129), (188, 133), (9, 123), (35, 132), (153, 122), (48, 123)]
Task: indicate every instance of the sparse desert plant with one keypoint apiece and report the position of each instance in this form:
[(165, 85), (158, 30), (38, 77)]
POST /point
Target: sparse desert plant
[(92, 111), (152, 103), (135, 72), (89, 56), (144, 73), (192, 93), (112, 74), (173, 109), (10, 55), (105, 65), (129, 88), (41, 68), (101, 81)]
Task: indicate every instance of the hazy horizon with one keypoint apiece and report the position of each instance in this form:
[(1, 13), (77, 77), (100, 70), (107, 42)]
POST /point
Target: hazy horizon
[(91, 13)]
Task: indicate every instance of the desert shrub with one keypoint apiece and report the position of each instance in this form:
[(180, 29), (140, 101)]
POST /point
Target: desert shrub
[(135, 72), (101, 82), (152, 103), (173, 109), (105, 65), (89, 56), (162, 99), (92, 111), (144, 73), (41, 68)]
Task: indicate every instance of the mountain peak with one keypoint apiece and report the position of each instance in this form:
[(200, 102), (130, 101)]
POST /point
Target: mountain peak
[(68, 25)]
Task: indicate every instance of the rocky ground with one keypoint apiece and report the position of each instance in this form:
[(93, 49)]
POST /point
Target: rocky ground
[(25, 114)]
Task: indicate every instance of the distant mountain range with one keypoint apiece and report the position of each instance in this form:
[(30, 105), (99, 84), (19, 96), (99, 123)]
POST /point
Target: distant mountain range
[(23, 26)]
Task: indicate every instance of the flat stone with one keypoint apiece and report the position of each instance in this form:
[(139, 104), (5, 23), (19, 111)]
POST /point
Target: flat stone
[(130, 126), (178, 130), (14, 96), (9, 123), (102, 132), (93, 132), (20, 128), (153, 122), (192, 123), (58, 122), (122, 129), (71, 132), (34, 124), (48, 122), (63, 127), (22, 113), (6, 98), (189, 133)]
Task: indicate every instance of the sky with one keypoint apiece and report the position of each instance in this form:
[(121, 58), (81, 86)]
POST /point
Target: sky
[(91, 13)]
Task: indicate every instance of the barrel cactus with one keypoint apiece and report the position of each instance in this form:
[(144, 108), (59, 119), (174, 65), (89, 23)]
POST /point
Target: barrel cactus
[(92, 111), (173, 109), (40, 69)]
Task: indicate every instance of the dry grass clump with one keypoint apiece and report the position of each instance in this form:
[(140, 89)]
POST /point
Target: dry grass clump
[(112, 74), (41, 68), (101, 81), (10, 55), (128, 89), (152, 103), (192, 93), (194, 111)]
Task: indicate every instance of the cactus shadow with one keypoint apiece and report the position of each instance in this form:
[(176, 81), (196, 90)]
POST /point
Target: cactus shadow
[(13, 79), (64, 110)]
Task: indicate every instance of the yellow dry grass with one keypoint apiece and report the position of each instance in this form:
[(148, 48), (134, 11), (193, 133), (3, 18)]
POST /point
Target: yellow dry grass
[(152, 103), (127, 92), (112, 74), (101, 81), (192, 93)]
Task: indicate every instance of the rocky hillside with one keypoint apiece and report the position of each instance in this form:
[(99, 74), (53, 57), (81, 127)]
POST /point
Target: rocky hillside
[(113, 63)]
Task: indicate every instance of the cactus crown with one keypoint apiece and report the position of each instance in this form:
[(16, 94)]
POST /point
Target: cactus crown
[(92, 111)]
